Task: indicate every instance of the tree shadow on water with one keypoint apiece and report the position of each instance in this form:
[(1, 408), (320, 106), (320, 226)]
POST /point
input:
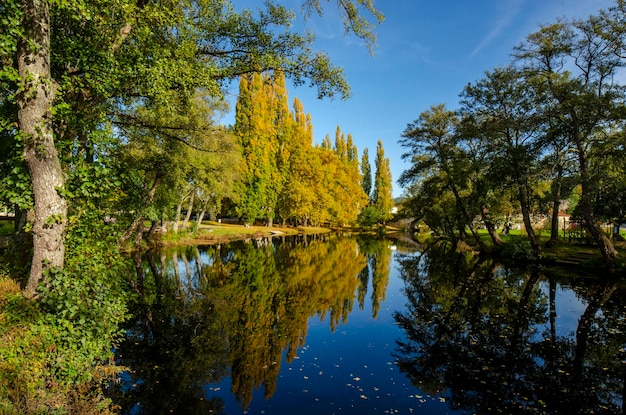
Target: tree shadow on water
[(497, 340)]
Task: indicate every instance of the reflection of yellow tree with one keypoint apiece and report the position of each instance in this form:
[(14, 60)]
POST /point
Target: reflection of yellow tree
[(269, 296), (364, 277), (242, 308), (322, 278)]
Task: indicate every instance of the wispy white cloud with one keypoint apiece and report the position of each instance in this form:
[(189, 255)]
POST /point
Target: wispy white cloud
[(504, 20), (419, 52)]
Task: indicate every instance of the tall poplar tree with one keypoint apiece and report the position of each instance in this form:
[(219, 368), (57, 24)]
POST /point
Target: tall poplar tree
[(261, 123), (366, 173), (297, 198), (283, 174), (341, 148), (382, 197), (326, 142), (352, 152)]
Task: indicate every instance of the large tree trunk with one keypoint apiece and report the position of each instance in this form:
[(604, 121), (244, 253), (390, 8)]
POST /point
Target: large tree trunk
[(35, 122), (523, 200), (491, 228), (200, 217), (189, 208), (606, 246), (468, 218), (177, 216)]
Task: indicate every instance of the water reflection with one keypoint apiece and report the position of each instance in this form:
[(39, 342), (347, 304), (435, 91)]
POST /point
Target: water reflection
[(233, 310), (488, 338), (471, 336)]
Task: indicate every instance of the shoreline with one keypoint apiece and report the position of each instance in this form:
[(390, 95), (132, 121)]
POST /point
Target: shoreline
[(212, 233)]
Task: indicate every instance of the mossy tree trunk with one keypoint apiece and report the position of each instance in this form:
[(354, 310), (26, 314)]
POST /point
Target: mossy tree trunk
[(35, 103)]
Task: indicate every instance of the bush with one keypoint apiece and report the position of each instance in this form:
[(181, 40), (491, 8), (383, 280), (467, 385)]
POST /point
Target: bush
[(56, 353), (368, 217), (518, 249)]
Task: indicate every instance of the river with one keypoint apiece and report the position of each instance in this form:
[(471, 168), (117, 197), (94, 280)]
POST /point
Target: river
[(345, 325)]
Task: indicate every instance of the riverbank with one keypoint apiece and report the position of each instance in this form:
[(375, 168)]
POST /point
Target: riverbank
[(210, 232), (566, 254)]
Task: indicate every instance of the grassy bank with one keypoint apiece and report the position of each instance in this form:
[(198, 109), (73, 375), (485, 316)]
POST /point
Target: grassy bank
[(211, 232), (575, 253)]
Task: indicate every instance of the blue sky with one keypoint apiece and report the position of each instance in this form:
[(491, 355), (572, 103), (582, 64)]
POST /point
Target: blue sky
[(427, 52)]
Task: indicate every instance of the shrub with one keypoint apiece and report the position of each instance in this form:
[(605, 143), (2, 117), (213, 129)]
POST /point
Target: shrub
[(56, 352), (368, 217), (518, 249)]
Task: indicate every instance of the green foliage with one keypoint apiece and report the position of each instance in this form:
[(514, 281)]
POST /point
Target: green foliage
[(366, 173), (382, 196), (517, 249), (6, 228), (549, 124), (12, 30), (15, 187), (368, 217), (353, 19), (56, 351)]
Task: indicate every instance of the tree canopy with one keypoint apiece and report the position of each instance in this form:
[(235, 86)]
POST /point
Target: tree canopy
[(532, 131), (80, 80), (284, 175)]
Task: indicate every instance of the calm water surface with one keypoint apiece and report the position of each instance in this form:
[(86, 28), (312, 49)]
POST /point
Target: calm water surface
[(341, 325)]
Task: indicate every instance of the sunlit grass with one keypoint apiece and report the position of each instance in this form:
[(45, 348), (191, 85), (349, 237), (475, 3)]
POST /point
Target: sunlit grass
[(230, 229), (564, 249), (214, 231)]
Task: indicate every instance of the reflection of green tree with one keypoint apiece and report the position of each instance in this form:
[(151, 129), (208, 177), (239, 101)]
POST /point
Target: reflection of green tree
[(173, 346), (486, 336), (364, 278), (379, 262), (236, 309)]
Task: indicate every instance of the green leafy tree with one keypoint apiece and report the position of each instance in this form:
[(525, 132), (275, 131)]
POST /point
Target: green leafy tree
[(508, 126), (382, 196), (440, 167), (258, 145), (575, 65), (369, 217), (610, 171), (366, 173)]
